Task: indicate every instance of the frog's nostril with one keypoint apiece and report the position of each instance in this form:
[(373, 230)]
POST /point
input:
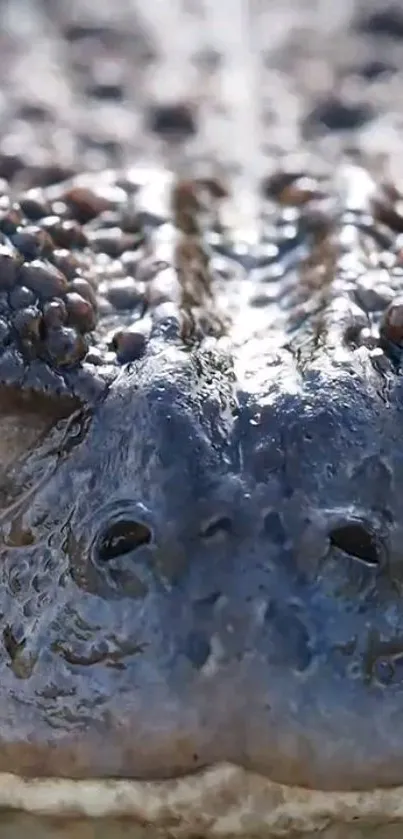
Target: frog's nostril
[(355, 539), (274, 529), (215, 528)]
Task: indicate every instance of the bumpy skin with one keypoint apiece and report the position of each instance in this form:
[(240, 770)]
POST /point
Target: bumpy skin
[(219, 578), (201, 557)]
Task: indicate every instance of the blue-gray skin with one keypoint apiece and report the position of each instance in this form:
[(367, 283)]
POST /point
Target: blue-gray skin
[(201, 556)]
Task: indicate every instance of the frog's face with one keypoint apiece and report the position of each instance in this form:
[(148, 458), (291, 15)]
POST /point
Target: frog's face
[(192, 575)]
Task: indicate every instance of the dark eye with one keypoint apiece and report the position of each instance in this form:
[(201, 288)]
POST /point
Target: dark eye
[(121, 537), (355, 539)]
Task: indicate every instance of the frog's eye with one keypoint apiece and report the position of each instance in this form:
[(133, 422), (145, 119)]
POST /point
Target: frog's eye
[(122, 537), (356, 539)]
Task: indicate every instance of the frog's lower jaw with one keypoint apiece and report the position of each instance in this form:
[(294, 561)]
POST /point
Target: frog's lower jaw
[(223, 800)]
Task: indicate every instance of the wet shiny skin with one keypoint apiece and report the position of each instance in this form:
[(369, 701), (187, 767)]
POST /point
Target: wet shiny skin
[(239, 619), (200, 536)]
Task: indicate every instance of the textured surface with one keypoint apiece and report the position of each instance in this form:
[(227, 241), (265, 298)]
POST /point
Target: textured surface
[(201, 326)]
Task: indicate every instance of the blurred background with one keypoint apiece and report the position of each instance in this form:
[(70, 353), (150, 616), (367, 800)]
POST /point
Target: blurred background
[(89, 85)]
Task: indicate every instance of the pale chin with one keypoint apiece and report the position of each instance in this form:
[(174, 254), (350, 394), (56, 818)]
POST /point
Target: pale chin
[(223, 801)]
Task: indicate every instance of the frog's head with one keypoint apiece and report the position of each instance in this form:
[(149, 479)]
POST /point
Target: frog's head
[(193, 574), (200, 563)]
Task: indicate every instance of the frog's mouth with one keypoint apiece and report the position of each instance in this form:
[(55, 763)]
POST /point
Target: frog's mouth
[(223, 800)]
